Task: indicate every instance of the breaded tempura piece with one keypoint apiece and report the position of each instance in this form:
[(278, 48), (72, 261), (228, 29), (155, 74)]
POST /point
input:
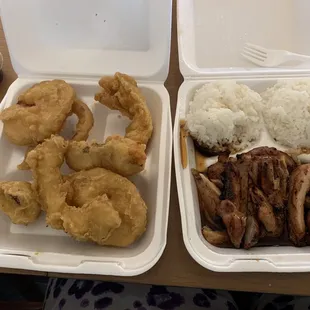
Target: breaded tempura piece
[(39, 112), (122, 93), (19, 202), (120, 155)]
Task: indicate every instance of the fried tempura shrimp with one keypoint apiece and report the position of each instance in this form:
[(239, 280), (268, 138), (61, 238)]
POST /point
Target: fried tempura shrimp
[(96, 205), (83, 127), (45, 161), (19, 202), (125, 201), (122, 93), (95, 221), (40, 112), (85, 120), (120, 155), (125, 156)]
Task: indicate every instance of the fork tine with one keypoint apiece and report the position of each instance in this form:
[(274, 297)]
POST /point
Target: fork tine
[(256, 47), (251, 50), (253, 55), (253, 60)]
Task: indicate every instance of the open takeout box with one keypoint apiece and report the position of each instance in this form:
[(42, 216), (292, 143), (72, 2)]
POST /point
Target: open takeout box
[(211, 34), (79, 41)]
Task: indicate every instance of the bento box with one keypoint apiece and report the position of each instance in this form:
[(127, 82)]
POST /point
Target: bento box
[(211, 35), (80, 41)]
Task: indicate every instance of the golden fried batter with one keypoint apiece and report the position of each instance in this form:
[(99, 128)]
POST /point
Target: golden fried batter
[(85, 120), (83, 127), (73, 202), (19, 202), (125, 199), (23, 165), (125, 156), (45, 161), (94, 221), (122, 93), (40, 112), (120, 155)]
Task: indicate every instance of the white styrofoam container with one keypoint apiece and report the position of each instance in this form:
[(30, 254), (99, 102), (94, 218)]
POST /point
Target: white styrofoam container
[(211, 34), (80, 41)]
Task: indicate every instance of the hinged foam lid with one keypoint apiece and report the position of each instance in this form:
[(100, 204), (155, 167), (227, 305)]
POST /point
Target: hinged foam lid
[(88, 38), (211, 34)]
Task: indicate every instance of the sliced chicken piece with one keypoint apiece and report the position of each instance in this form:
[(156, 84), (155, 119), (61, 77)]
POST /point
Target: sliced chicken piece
[(298, 187), (283, 174), (244, 168), (232, 184), (214, 172), (270, 151), (218, 183), (265, 213), (252, 232), (308, 220), (234, 220), (267, 181), (209, 199), (272, 177), (223, 158), (254, 172), (216, 238), (307, 202)]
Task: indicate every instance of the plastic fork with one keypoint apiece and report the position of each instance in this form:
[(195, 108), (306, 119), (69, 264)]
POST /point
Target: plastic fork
[(269, 58)]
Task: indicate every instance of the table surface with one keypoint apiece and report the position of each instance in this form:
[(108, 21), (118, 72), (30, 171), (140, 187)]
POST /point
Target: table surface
[(176, 267)]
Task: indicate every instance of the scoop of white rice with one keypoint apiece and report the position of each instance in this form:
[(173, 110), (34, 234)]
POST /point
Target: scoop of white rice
[(287, 112), (224, 115)]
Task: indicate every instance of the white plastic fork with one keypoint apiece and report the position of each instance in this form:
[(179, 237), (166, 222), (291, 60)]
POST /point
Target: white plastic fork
[(269, 58)]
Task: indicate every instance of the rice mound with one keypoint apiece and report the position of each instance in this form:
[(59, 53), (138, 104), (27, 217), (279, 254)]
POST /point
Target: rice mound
[(287, 112), (224, 116)]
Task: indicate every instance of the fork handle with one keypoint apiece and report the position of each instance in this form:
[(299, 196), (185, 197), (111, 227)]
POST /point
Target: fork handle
[(294, 56)]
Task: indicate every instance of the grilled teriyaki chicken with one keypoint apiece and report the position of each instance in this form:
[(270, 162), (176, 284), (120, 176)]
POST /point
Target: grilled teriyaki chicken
[(216, 238), (298, 188), (234, 220), (209, 199), (272, 223), (231, 210), (253, 195)]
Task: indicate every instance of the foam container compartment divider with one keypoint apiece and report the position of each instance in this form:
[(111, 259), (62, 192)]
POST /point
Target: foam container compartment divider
[(79, 43), (211, 34)]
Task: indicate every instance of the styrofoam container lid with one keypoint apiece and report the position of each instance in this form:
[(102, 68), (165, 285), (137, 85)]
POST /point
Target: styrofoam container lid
[(88, 38), (80, 41), (211, 35)]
